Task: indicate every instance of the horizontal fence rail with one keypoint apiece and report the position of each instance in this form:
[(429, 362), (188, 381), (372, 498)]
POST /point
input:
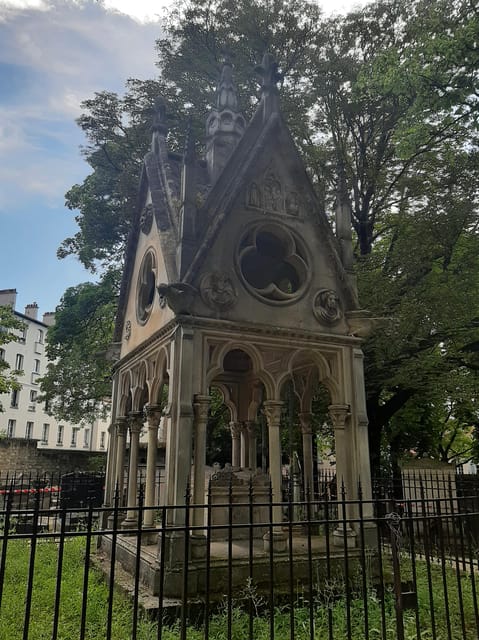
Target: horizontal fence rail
[(402, 565)]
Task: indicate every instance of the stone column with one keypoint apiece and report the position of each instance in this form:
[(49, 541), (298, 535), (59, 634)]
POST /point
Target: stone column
[(272, 410), (121, 428), (153, 417), (110, 479), (235, 429), (340, 415), (252, 437), (201, 407), (135, 423), (307, 435), (244, 447)]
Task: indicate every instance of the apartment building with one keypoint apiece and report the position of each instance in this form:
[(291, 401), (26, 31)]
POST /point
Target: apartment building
[(24, 416)]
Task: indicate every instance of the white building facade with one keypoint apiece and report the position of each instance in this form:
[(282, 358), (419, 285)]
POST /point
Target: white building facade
[(24, 416)]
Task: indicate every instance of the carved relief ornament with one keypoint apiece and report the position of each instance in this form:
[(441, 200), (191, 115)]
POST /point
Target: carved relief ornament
[(327, 306), (146, 219), (218, 291), (269, 195)]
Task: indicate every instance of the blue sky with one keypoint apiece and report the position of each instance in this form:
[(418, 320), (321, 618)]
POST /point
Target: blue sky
[(53, 55)]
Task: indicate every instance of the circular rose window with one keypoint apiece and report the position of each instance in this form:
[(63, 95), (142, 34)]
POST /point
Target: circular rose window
[(145, 292), (273, 264)]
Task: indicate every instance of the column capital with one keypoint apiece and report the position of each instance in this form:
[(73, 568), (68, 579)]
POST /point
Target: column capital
[(135, 421), (235, 429), (201, 406), (340, 414), (153, 413), (121, 424), (305, 420), (272, 410)]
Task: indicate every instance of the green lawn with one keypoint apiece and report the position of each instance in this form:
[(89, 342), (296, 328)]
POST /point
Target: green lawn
[(329, 606)]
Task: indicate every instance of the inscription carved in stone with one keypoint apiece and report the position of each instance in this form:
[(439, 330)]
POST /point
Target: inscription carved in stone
[(218, 291), (327, 306)]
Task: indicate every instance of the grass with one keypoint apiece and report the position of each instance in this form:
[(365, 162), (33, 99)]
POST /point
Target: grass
[(328, 609)]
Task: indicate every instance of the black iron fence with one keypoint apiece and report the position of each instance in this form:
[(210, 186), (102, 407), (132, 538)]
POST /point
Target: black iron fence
[(398, 566)]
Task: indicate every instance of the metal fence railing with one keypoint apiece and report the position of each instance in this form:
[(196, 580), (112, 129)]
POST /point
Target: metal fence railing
[(397, 566)]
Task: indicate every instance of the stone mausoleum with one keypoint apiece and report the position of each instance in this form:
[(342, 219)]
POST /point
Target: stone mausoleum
[(234, 279)]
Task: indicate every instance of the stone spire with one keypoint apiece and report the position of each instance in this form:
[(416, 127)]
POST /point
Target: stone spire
[(225, 124), (270, 76), (158, 124)]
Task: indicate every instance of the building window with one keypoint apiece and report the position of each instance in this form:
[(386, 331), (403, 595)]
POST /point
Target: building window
[(19, 362), (75, 431), (86, 438), (36, 366), (15, 399), (11, 428), (29, 431), (60, 434), (102, 440), (40, 336), (2, 354), (23, 335), (45, 433)]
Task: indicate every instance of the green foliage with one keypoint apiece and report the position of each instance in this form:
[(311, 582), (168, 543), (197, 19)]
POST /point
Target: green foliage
[(385, 96), (10, 327), (77, 380)]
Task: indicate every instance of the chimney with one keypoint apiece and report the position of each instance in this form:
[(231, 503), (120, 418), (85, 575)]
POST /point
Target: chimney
[(8, 297), (49, 318), (31, 311)]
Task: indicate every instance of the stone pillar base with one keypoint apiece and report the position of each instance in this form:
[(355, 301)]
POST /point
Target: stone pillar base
[(197, 547), (129, 523), (340, 538), (278, 540)]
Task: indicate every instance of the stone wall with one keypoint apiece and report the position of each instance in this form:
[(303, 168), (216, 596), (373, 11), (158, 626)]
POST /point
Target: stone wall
[(23, 456)]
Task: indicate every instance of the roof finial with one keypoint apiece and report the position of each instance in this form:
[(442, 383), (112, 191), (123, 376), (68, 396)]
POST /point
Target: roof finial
[(268, 70), (226, 97), (158, 122)]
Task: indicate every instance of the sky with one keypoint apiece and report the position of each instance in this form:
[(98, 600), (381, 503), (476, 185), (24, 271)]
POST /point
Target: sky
[(53, 55)]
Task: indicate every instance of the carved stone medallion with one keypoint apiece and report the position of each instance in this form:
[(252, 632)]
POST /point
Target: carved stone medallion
[(146, 219), (327, 306), (218, 291)]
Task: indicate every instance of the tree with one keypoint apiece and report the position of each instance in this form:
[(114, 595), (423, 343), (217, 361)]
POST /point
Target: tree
[(77, 380), (10, 326), (385, 99)]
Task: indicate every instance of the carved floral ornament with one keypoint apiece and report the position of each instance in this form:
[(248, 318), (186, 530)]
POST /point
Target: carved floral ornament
[(271, 196), (218, 291), (327, 307), (273, 264)]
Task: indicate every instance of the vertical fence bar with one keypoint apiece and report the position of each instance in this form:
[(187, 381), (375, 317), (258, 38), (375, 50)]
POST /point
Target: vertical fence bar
[(394, 523), (161, 587), (86, 570), (327, 533), (427, 556), (58, 586), (186, 557), (290, 558), (250, 560), (136, 590), (31, 568), (208, 561), (271, 565), (111, 584), (6, 532), (364, 568), (412, 551), (230, 559), (310, 563), (456, 526), (472, 576), (443, 568), (344, 523), (379, 532)]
